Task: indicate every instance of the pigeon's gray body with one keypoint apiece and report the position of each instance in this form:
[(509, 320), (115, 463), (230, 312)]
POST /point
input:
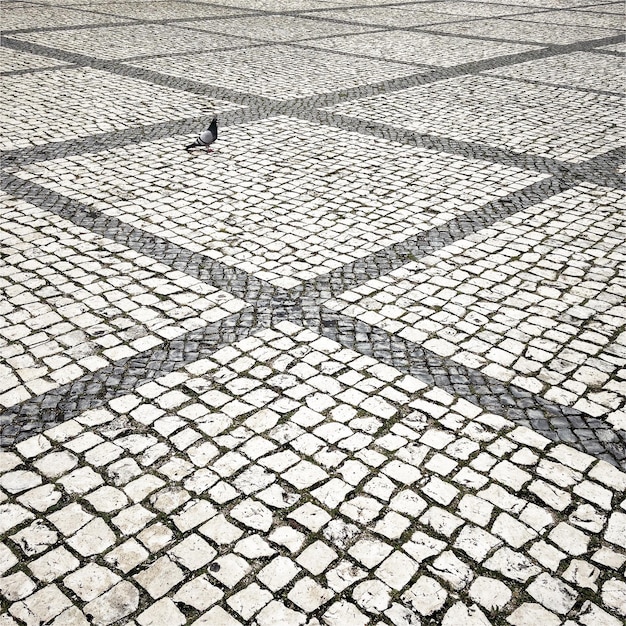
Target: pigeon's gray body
[(206, 137)]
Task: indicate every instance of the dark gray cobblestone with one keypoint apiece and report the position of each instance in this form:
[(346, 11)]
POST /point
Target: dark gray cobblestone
[(94, 390)]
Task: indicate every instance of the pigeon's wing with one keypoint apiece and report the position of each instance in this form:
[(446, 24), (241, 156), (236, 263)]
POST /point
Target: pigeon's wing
[(207, 137)]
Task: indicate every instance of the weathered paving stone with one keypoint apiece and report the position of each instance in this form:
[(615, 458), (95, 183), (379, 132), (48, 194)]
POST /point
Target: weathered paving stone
[(247, 556), (440, 316), (362, 364)]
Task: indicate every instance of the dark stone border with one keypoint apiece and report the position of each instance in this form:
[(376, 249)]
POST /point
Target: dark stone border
[(304, 304)]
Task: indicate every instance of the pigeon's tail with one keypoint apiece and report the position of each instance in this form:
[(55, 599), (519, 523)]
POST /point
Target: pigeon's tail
[(193, 145)]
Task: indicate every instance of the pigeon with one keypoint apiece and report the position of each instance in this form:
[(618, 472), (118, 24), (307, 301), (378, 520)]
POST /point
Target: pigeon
[(206, 137)]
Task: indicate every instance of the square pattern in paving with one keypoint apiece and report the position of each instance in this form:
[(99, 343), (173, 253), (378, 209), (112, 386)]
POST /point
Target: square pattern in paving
[(541, 31), (280, 5), (579, 69), (269, 70), (611, 7), (422, 48), (202, 458), (49, 17), (14, 61), (536, 5), (167, 10), (547, 121), (287, 480), (469, 9), (536, 300), (391, 16), (74, 302), (81, 102), (579, 18), (117, 42), (286, 201), (278, 28)]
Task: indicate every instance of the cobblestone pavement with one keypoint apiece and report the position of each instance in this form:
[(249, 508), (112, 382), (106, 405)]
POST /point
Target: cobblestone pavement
[(363, 364)]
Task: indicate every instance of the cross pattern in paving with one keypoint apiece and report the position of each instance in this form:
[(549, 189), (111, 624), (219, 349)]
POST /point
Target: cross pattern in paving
[(287, 477), (537, 299), (75, 302), (363, 364)]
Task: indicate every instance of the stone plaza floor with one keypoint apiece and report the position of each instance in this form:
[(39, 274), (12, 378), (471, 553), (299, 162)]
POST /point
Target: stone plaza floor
[(363, 364)]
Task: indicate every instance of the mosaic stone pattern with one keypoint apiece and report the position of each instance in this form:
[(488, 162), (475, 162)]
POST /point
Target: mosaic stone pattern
[(167, 10), (362, 363), (579, 69), (278, 28), (579, 18), (239, 69), (190, 498), (13, 61), (69, 105), (545, 120), (75, 302), (117, 42), (392, 16), (328, 193), (31, 17), (537, 300), (540, 31), (419, 48)]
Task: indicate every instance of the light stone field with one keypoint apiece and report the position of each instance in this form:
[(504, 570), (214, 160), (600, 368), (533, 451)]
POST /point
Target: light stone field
[(363, 364)]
